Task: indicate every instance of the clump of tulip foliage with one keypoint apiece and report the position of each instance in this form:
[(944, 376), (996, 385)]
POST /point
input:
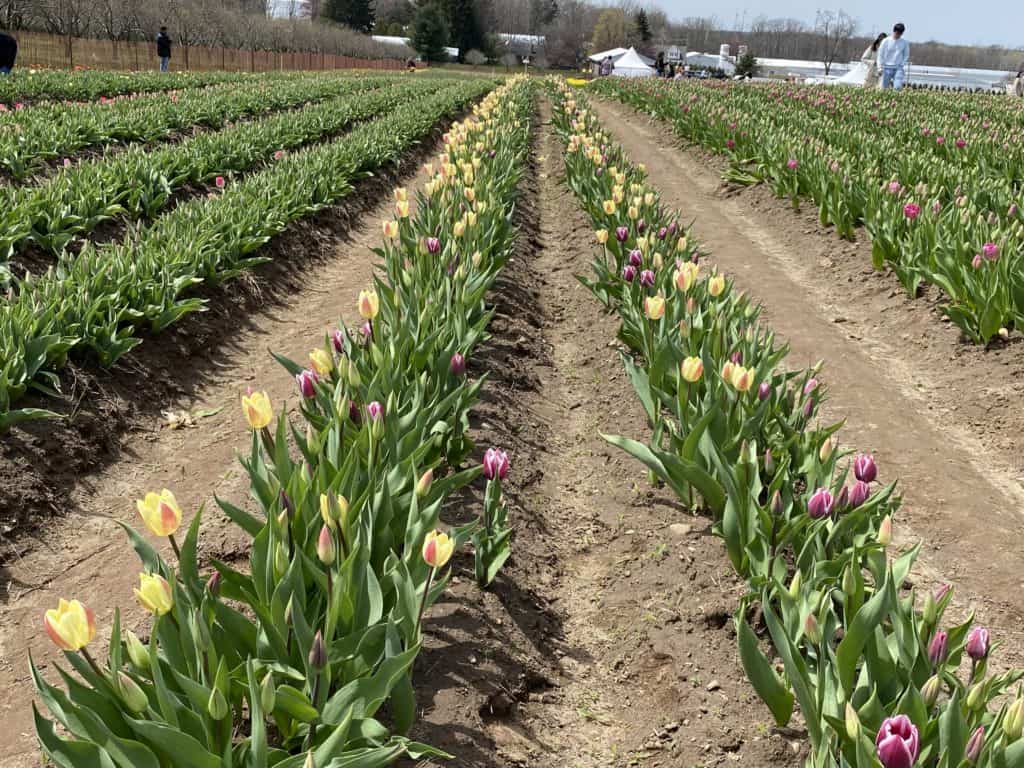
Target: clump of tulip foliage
[(289, 663), (880, 676), (933, 178)]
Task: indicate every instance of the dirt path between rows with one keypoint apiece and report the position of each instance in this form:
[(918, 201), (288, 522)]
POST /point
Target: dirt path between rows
[(938, 414)]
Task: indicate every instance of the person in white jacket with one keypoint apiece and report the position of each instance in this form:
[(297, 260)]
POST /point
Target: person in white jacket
[(893, 55)]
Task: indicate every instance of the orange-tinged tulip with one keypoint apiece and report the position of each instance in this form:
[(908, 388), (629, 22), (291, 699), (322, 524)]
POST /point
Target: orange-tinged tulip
[(685, 276), (654, 307), (609, 207), (390, 228), (742, 378), (154, 593), (321, 361), (258, 412), (402, 209), (885, 531), (716, 285), (71, 625), (437, 549), (727, 370), (470, 194), (160, 512), (369, 304), (692, 369), (400, 195)]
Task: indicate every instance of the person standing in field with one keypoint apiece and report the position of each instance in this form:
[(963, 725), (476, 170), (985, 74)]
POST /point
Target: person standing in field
[(893, 55), (606, 66), (163, 49), (8, 53), (870, 60), (1018, 83)]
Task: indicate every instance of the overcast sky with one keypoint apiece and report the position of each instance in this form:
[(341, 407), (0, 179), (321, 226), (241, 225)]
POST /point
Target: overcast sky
[(983, 22)]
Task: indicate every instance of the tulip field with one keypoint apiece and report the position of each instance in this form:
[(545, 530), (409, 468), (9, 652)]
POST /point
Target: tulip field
[(935, 179), (425, 550)]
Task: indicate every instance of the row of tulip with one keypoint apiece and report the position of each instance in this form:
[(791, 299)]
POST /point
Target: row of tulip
[(34, 85), (934, 180), (97, 301), (875, 671), (29, 138), (140, 182), (289, 664)]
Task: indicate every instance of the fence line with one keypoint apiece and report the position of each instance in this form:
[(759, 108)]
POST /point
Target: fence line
[(37, 49)]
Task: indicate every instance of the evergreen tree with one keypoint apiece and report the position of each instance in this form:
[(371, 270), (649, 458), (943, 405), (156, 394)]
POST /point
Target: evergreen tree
[(464, 29), (643, 26), (430, 33), (747, 65), (358, 14), (542, 13)]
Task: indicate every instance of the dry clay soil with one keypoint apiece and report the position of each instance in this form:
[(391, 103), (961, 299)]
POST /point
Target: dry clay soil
[(607, 640)]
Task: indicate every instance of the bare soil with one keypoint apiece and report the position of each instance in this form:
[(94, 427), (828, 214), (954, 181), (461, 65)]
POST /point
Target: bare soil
[(939, 413)]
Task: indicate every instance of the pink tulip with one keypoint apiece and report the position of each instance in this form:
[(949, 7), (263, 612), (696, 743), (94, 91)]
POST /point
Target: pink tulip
[(976, 262), (974, 744), (307, 383), (960, 143), (897, 742), (864, 468), (977, 643), (792, 164), (821, 504), (433, 245), (936, 207), (495, 464), (940, 140), (338, 340), (810, 386), (457, 365), (279, 154), (938, 648), (663, 232), (911, 211), (990, 251), (621, 233), (895, 187), (375, 411), (219, 182), (366, 331)]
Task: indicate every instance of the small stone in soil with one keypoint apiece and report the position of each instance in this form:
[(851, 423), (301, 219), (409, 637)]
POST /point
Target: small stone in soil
[(714, 685)]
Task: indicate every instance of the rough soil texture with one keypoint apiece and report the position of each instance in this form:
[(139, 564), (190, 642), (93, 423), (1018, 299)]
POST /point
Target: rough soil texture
[(940, 414), (607, 640)]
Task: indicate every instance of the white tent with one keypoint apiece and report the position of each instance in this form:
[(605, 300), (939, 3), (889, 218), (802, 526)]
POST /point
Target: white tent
[(631, 65)]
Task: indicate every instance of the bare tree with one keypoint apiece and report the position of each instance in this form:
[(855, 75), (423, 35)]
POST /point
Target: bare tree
[(835, 30)]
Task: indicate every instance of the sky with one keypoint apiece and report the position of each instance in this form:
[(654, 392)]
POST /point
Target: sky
[(980, 22)]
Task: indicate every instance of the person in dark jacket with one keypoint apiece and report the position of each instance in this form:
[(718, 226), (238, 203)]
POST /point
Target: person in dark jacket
[(8, 53), (163, 49)]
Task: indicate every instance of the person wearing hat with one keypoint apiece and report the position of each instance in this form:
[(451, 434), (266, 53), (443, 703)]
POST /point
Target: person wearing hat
[(893, 55)]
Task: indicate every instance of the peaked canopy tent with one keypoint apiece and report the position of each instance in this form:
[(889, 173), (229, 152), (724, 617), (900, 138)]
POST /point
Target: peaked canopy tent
[(630, 64)]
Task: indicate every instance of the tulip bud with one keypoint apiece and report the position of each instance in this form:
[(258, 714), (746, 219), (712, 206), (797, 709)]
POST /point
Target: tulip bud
[(974, 745), (425, 481), (825, 451), (1013, 722), (795, 584), (217, 705), (859, 493), (849, 581), (812, 631), (325, 546), (310, 763), (930, 691), (280, 560), (132, 695), (864, 468), (769, 463), (977, 643), (200, 631), (885, 531), (938, 648), (354, 379), (929, 611), (764, 391), (852, 722), (213, 584), (318, 653), (458, 365), (776, 503), (268, 693), (976, 696), (137, 651), (288, 609)]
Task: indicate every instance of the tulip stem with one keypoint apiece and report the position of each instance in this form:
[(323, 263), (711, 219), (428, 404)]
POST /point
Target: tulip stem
[(311, 736), (423, 604), (174, 546), (92, 662)]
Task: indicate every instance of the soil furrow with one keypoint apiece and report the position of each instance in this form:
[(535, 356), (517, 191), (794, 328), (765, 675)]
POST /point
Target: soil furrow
[(906, 386)]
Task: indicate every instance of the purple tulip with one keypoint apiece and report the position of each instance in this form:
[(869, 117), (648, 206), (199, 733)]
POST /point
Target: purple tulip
[(458, 365), (897, 742), (641, 226), (495, 464), (338, 339), (808, 409), (842, 498), (375, 411), (764, 390), (810, 386), (621, 233), (864, 468), (737, 357), (647, 278), (938, 648), (366, 331), (354, 413), (977, 643), (974, 744), (672, 228), (636, 258), (821, 504), (859, 493), (307, 383), (629, 273), (662, 233), (433, 245)]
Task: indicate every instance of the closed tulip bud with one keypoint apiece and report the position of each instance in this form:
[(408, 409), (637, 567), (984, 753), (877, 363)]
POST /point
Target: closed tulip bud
[(885, 531), (795, 585), (288, 609), (769, 463), (974, 744), (692, 369), (776, 503), (716, 285), (764, 391), (977, 643), (280, 560), (681, 244), (321, 361), (310, 762), (217, 705), (268, 693), (825, 451), (424, 483), (636, 258), (810, 386), (375, 411), (727, 370), (200, 631), (325, 549), (318, 653), (658, 260), (820, 504), (930, 691), (976, 696), (1013, 721), (859, 493), (433, 245), (132, 695), (812, 631), (808, 409), (842, 498), (864, 468), (457, 365), (354, 379), (155, 594), (369, 304), (852, 722), (137, 651), (849, 581), (938, 648), (160, 512), (257, 409), (929, 612), (496, 464)]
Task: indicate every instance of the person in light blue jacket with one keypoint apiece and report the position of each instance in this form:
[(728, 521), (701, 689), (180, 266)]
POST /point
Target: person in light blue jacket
[(893, 55)]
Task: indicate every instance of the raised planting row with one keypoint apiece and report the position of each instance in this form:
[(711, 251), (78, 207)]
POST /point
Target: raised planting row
[(31, 85), (880, 677), (935, 180), (140, 182), (97, 301), (287, 665), (29, 138)]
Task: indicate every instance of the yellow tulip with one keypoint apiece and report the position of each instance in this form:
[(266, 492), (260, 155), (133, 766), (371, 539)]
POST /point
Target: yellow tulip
[(685, 276), (742, 378), (681, 244), (602, 236), (258, 412), (470, 218), (154, 593), (459, 229), (391, 228), (727, 370), (716, 285), (401, 195), (402, 209), (658, 260), (649, 198), (321, 361), (654, 307), (160, 512), (692, 369), (633, 213), (470, 194), (369, 304), (437, 549), (71, 625), (609, 207)]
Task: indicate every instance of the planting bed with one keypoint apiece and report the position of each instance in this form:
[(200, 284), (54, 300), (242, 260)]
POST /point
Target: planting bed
[(595, 611)]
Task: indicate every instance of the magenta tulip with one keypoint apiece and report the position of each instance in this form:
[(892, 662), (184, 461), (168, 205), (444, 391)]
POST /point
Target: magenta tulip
[(433, 245), (938, 648), (990, 251), (974, 744), (821, 504), (859, 493), (629, 273), (663, 233), (458, 365), (375, 411), (636, 258), (764, 390), (911, 211), (338, 340), (977, 643), (647, 278), (495, 464), (621, 233), (307, 383), (792, 164), (897, 742), (864, 468)]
